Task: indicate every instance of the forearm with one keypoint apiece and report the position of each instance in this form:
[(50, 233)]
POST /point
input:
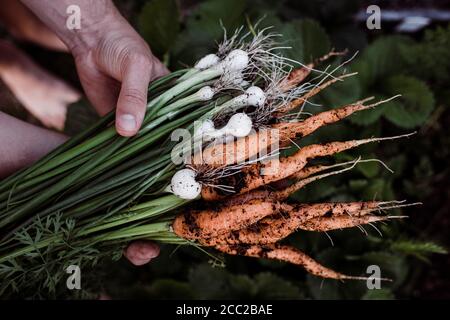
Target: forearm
[(92, 14), (21, 144)]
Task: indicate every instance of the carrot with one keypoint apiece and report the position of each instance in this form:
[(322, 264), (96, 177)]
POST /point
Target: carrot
[(287, 254), (260, 174), (298, 75), (278, 226), (265, 141), (284, 193), (223, 154), (290, 130), (341, 222), (299, 101), (212, 222)]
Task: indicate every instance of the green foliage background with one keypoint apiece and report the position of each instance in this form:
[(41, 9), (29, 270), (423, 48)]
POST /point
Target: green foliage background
[(412, 252)]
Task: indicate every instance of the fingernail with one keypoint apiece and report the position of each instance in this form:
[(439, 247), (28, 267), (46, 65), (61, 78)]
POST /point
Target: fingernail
[(127, 122)]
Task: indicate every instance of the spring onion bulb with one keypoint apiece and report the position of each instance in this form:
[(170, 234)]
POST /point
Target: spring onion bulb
[(236, 61), (207, 62), (205, 129), (239, 125), (206, 93), (235, 78), (255, 96), (184, 185)]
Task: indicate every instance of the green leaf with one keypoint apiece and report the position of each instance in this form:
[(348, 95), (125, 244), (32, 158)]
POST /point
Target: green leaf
[(167, 289), (415, 105), (357, 185), (307, 39), (384, 57), (204, 28), (367, 117), (270, 286), (159, 24), (209, 16), (397, 164), (209, 282), (430, 58), (375, 189), (418, 249), (315, 191), (342, 92), (392, 266), (369, 169)]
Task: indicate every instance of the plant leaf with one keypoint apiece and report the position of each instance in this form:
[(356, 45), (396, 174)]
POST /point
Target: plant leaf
[(415, 105), (418, 249), (159, 24), (204, 30), (385, 56), (271, 286), (307, 39), (392, 266), (378, 294)]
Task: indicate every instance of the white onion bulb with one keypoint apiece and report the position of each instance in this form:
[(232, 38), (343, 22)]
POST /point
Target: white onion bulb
[(207, 62), (184, 185), (205, 129), (239, 125), (255, 96), (206, 93), (236, 60)]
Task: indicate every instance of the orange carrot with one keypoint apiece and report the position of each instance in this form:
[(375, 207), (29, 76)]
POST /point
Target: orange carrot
[(299, 101), (340, 222), (286, 254), (284, 193), (298, 75), (212, 222), (265, 141), (290, 130), (276, 227), (260, 174), (223, 154)]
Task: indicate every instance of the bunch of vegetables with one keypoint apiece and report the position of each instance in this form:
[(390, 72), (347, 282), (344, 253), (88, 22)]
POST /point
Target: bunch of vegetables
[(226, 187)]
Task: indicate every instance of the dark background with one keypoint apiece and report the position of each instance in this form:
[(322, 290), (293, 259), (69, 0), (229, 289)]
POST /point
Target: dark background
[(415, 64)]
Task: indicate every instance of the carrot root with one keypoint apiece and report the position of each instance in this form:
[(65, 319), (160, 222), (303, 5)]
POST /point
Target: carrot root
[(287, 254), (289, 219), (298, 75), (323, 224), (260, 174), (193, 225), (301, 100), (264, 141)]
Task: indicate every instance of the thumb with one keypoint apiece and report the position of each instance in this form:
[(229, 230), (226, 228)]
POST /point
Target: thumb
[(132, 102)]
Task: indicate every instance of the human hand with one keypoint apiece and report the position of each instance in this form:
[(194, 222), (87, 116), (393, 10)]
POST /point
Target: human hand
[(44, 95), (114, 63), (140, 252), (24, 25), (116, 73)]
